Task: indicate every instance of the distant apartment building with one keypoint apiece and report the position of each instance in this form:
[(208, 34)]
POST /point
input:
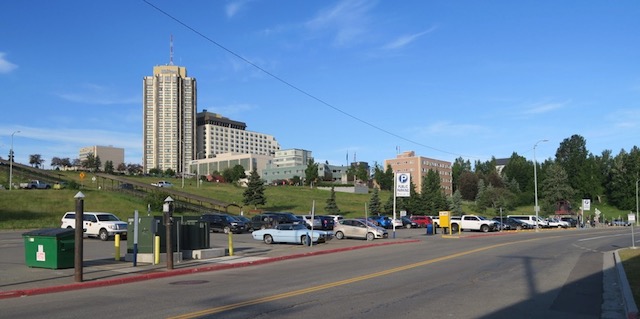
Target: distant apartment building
[(286, 164), (219, 135), (419, 166), (105, 153), (169, 111), (221, 162)]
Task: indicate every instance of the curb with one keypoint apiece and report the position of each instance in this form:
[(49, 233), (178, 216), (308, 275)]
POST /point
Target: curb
[(630, 307), (179, 272)]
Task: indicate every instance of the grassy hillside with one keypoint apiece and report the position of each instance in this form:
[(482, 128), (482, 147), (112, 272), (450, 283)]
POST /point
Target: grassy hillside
[(28, 209)]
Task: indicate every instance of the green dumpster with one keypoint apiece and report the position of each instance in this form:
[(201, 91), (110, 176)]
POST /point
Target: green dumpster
[(52, 248)]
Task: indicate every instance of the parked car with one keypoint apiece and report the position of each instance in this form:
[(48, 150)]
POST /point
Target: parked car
[(396, 222), (245, 220), (514, 224), (358, 228), (618, 222), (162, 184), (422, 221), (291, 233), (223, 223), (408, 223), (314, 222), (97, 224), (271, 219), (573, 222), (382, 221), (336, 218), (327, 222), (555, 222)]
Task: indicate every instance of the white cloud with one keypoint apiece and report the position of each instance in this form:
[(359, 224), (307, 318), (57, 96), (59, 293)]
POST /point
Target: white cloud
[(545, 107), (96, 94), (349, 19), (407, 39), (5, 65), (234, 7)]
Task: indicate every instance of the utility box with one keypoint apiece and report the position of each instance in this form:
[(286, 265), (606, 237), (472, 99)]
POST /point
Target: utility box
[(148, 228), (444, 218), (52, 248), (195, 235)]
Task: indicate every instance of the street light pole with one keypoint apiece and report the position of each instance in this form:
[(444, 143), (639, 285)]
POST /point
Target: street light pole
[(11, 162), (637, 222), (535, 182)]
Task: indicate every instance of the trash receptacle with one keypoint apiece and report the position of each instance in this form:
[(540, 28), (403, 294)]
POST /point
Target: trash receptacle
[(429, 229), (52, 248)]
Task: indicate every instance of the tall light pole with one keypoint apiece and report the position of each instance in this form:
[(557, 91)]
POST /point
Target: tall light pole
[(637, 221), (11, 162), (535, 182)]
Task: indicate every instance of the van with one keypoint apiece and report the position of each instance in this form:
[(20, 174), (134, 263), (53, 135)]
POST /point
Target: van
[(531, 220)]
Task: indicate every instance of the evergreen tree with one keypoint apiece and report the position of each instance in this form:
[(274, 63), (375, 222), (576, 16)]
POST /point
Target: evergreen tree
[(332, 206), (455, 203), (388, 205), (108, 167), (254, 194), (374, 203), (311, 173), (555, 187)]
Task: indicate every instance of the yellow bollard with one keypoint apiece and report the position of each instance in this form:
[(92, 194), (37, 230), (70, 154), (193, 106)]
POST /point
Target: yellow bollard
[(156, 251), (117, 245), (230, 244)]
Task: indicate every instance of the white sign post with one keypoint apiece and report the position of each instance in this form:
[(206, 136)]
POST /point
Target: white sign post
[(402, 188), (632, 220)]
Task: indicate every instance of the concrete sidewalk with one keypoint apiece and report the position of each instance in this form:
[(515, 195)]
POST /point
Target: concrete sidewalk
[(18, 280)]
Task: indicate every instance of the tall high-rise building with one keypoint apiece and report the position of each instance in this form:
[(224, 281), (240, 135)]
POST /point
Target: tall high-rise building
[(169, 131)]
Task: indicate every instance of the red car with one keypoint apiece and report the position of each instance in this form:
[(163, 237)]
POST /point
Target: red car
[(422, 221)]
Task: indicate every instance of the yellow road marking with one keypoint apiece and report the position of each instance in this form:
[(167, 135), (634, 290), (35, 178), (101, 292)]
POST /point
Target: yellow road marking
[(219, 309)]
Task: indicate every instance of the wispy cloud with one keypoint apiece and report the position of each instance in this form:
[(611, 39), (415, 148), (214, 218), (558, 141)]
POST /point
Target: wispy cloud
[(231, 109), (234, 7), (96, 94), (349, 19), (404, 40), (625, 119), (446, 128), (544, 107), (5, 65)]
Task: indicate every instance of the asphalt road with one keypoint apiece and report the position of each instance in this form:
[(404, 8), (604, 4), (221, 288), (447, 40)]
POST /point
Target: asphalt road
[(551, 274)]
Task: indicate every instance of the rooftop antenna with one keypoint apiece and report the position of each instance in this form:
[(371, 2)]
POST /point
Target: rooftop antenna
[(171, 51)]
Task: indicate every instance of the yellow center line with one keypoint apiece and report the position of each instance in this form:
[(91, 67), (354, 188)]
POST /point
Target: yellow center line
[(219, 309)]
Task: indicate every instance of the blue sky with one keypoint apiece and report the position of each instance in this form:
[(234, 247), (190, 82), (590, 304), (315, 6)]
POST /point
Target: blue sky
[(447, 79)]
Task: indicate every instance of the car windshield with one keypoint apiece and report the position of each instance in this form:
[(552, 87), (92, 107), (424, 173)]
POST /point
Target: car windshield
[(107, 218)]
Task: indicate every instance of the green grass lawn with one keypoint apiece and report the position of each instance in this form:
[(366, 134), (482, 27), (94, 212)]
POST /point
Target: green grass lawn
[(631, 262)]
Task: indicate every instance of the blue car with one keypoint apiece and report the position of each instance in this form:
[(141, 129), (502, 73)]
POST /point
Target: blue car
[(382, 221), (291, 233)]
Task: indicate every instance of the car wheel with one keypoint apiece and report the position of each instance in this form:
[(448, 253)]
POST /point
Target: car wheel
[(518, 227), (484, 228), (408, 226), (454, 227), (370, 236), (268, 239), (339, 235), (226, 229), (103, 234), (303, 239)]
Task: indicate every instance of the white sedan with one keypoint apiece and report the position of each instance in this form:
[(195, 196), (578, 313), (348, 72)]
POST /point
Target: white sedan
[(291, 233)]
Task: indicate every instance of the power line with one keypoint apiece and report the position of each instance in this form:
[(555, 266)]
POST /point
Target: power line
[(283, 81)]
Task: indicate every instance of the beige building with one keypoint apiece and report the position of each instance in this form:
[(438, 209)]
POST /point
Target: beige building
[(419, 166), (219, 135), (105, 153), (169, 111), (207, 166)]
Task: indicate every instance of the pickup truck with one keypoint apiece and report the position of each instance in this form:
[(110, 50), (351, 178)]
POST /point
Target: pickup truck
[(162, 184), (35, 184), (473, 222)]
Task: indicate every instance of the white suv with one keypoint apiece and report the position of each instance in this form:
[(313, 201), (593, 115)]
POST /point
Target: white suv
[(102, 225)]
